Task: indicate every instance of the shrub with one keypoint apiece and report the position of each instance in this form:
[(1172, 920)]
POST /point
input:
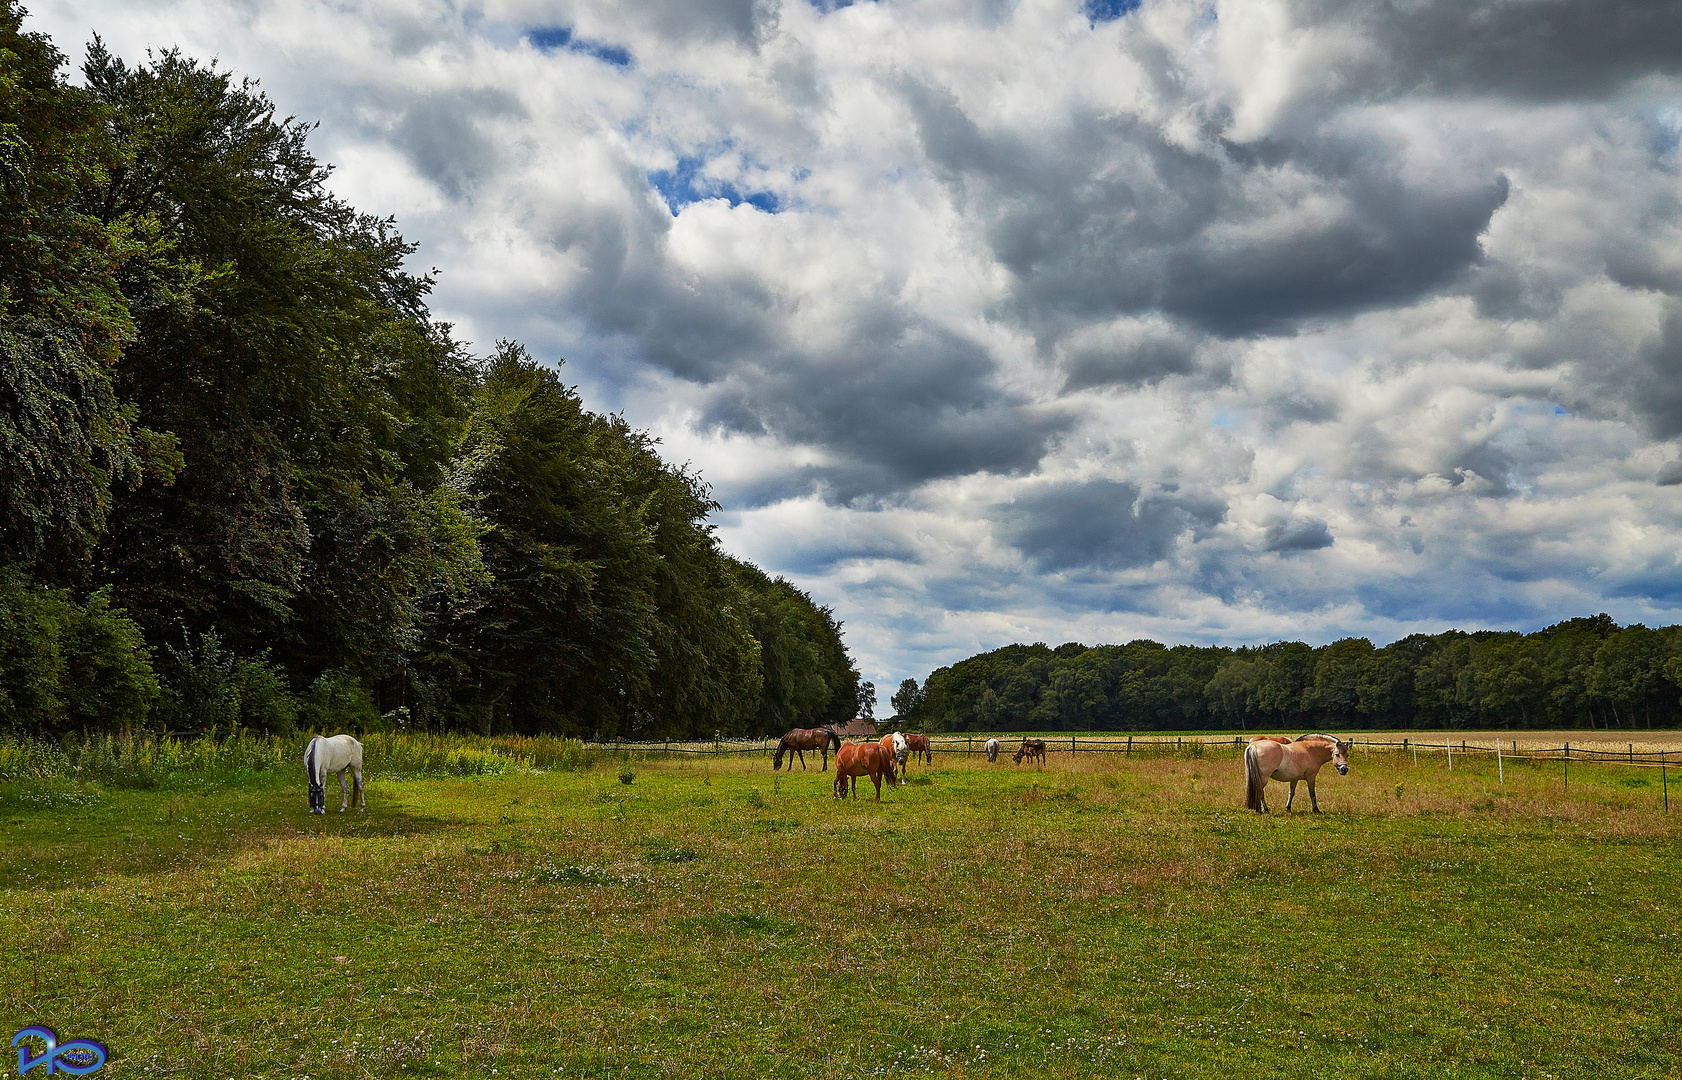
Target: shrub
[(66, 665), (337, 701)]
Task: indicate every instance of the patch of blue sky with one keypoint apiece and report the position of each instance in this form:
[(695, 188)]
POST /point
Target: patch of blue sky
[(548, 39), (1103, 11), (688, 183), (827, 6)]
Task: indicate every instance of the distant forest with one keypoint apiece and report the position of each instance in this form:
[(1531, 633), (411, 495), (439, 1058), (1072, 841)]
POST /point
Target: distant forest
[(1582, 673), (247, 479)]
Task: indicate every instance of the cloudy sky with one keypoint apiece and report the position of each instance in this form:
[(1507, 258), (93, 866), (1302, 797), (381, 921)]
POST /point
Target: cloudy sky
[(997, 321)]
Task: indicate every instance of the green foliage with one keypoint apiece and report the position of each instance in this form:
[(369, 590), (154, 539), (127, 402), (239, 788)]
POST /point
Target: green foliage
[(338, 702), (1582, 673), (209, 689), (65, 436), (222, 397), (65, 665)]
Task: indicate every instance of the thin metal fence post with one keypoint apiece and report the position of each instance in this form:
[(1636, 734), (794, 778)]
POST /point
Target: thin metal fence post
[(1664, 781), (1415, 746), (1500, 769), (1448, 744), (1567, 766)]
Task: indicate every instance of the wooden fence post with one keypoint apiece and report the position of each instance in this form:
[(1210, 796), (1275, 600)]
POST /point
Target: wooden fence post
[(1664, 781), (1567, 766)]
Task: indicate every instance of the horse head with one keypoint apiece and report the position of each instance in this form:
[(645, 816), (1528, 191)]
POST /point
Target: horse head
[(1340, 756)]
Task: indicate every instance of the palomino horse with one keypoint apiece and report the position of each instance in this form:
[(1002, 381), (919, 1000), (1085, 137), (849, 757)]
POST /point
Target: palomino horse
[(895, 744), (992, 747), (801, 740), (862, 759), (323, 756), (1032, 749), (1289, 760)]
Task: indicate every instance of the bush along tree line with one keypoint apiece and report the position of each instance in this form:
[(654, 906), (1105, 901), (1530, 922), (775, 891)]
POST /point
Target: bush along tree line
[(245, 478), (1582, 673)]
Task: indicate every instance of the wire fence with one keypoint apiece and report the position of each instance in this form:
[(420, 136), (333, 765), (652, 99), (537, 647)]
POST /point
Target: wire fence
[(1499, 748)]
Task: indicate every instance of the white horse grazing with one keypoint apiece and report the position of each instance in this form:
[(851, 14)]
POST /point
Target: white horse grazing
[(992, 749), (323, 756)]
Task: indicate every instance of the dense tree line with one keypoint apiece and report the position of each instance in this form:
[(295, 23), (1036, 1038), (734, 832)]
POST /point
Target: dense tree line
[(246, 477), (1582, 673)]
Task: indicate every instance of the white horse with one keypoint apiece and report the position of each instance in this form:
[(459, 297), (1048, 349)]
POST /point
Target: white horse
[(992, 749), (323, 756)]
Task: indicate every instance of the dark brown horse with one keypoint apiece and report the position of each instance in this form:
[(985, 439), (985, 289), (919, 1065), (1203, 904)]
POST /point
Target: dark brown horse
[(1032, 749), (862, 759), (801, 740), (919, 744)]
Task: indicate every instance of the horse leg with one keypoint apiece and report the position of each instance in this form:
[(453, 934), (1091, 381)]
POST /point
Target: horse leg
[(360, 788), (344, 796), (802, 754), (1292, 797), (1314, 802), (876, 778)]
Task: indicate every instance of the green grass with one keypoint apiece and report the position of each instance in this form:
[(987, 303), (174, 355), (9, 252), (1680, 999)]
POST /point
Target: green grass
[(1099, 918)]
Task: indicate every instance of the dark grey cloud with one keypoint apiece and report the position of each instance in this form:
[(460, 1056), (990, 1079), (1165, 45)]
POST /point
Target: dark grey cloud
[(1655, 383), (1546, 50), (1670, 474), (907, 404), (1127, 360), (441, 133), (1106, 524), (1298, 534), (1109, 217), (744, 22)]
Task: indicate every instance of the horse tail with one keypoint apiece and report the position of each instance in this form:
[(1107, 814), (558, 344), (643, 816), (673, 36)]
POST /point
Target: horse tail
[(834, 737), (1255, 780), (309, 759)]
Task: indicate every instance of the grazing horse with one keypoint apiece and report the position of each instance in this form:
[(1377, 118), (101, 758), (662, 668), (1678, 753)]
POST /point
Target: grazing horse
[(919, 744), (895, 744), (801, 740), (335, 755), (1289, 760), (862, 759), (992, 746), (1032, 749)]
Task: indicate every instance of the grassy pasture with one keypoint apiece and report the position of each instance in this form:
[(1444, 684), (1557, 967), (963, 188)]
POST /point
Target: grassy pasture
[(1098, 917)]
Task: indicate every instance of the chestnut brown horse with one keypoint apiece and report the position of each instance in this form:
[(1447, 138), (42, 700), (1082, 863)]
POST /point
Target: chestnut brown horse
[(895, 744), (862, 759), (800, 740), (1289, 760), (1031, 749), (919, 744)]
